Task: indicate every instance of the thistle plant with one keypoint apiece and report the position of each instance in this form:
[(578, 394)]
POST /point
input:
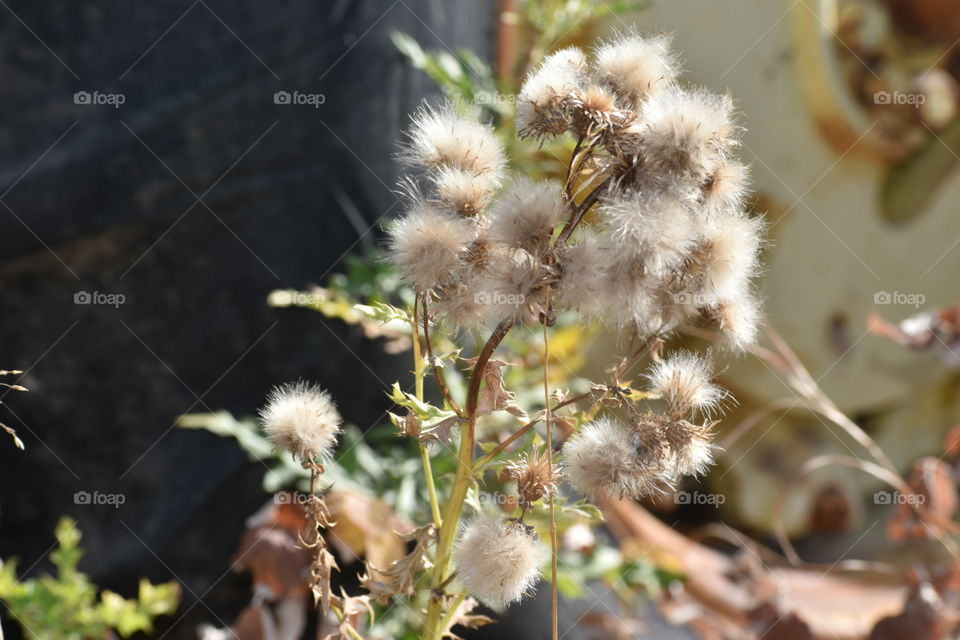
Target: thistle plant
[(647, 234)]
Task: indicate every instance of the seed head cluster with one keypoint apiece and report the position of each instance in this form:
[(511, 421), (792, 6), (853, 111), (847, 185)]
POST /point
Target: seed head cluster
[(649, 234)]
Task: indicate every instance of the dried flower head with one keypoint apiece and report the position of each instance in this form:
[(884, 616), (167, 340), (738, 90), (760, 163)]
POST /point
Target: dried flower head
[(464, 192), (683, 379), (582, 281), (425, 245), (533, 475), (738, 319), (726, 189), (691, 446), (526, 215), (655, 228), (498, 560), (637, 67), (607, 458), (731, 257), (440, 137), (686, 134), (543, 106), (303, 419)]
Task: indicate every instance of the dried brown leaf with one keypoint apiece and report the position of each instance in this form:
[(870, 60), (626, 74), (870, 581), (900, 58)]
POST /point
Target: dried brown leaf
[(494, 396), (400, 576)]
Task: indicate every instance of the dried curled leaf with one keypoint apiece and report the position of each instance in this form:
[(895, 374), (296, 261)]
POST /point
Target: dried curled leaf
[(462, 617), (399, 577), (353, 609), (494, 396)]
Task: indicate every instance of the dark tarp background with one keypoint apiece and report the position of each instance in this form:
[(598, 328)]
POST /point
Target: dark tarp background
[(193, 199)]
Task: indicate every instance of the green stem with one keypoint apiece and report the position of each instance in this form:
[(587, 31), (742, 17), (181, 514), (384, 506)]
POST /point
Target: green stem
[(418, 373), (554, 587), (461, 483)]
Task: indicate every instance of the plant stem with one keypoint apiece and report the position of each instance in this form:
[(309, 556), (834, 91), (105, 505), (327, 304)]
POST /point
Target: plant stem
[(418, 371), (554, 590), (461, 483)]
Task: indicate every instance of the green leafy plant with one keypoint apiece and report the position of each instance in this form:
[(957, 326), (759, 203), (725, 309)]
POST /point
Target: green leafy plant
[(68, 606)]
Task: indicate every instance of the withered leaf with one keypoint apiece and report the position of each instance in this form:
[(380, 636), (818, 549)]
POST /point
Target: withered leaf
[(463, 618), (493, 395), (432, 431), (399, 577)]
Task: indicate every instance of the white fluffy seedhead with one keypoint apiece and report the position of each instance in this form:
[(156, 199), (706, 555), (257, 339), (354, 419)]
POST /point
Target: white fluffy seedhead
[(731, 255), (425, 245), (657, 229), (302, 419), (515, 287), (726, 190), (691, 448), (498, 560), (526, 215), (683, 379), (583, 282), (543, 105), (464, 192), (636, 67), (439, 137), (686, 134), (606, 458), (738, 319)]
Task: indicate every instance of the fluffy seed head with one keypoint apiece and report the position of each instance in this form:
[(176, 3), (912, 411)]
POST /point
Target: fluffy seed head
[(637, 67), (686, 134), (655, 228), (303, 419), (527, 214), (737, 319), (498, 560), (463, 192), (725, 191), (517, 287), (425, 245), (690, 446), (731, 256), (543, 103), (606, 458), (683, 379), (582, 283), (439, 137)]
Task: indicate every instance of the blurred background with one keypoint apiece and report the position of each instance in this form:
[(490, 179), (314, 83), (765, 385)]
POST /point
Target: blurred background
[(168, 167)]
